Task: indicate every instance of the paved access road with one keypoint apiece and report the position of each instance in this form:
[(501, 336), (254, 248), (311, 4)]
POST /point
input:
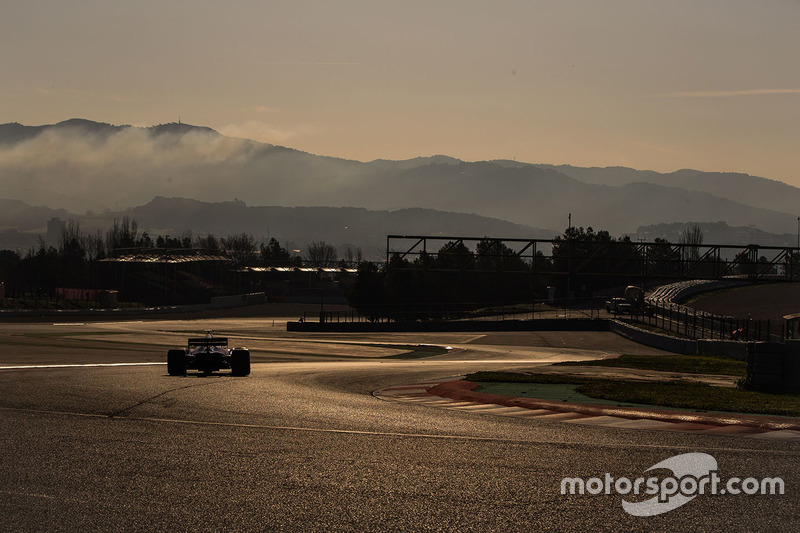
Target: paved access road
[(303, 445)]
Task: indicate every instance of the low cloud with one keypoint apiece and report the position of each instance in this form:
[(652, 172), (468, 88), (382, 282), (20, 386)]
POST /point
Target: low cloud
[(263, 132), (130, 165), (79, 169)]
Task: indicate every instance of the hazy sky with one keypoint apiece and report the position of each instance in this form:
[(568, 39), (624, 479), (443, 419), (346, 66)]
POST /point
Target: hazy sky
[(663, 85)]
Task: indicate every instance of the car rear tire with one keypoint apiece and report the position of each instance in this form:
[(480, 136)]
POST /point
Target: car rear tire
[(240, 362), (176, 363)]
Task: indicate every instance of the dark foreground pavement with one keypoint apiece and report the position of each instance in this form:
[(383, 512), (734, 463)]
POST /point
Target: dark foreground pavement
[(305, 446)]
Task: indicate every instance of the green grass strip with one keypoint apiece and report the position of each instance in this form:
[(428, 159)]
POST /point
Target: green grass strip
[(696, 396), (691, 364)]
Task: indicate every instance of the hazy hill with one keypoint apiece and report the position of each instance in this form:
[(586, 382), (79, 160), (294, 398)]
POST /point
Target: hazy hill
[(717, 233), (23, 217), (743, 188), (297, 226), (388, 164), (293, 226), (14, 133), (21, 224), (81, 165), (544, 198)]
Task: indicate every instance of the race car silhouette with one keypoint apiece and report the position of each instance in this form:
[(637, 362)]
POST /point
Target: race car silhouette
[(208, 354)]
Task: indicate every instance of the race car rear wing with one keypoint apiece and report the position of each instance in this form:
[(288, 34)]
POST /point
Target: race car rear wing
[(215, 341)]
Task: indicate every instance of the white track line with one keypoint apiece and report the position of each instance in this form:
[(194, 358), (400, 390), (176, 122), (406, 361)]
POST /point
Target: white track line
[(88, 365)]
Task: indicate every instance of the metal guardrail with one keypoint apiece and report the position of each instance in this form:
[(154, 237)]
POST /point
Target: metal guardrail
[(591, 308), (681, 321), (690, 323)]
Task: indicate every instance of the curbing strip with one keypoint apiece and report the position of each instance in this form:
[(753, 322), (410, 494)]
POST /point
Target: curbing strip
[(460, 395)]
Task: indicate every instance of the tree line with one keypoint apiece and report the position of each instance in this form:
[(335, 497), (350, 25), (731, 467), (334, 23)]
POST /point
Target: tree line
[(581, 262), (73, 261), (492, 273)]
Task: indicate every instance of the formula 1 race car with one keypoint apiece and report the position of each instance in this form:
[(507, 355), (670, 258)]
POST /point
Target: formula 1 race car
[(208, 355)]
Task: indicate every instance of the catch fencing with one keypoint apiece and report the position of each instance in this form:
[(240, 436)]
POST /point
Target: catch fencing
[(690, 323), (678, 320), (541, 309)]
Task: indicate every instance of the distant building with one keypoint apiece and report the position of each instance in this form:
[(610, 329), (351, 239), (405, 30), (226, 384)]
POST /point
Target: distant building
[(164, 276), (55, 230)]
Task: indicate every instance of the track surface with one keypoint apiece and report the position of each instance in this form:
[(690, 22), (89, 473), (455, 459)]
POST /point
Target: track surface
[(757, 301), (302, 444)]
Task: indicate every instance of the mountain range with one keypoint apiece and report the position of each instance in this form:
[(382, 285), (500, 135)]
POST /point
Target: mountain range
[(98, 169), (22, 225)]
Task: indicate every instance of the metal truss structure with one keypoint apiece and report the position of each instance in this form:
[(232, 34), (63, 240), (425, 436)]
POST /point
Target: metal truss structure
[(567, 257)]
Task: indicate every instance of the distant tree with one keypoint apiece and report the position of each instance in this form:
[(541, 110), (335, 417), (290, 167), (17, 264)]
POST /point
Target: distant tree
[(72, 243), (208, 242), (582, 254), (273, 254), (183, 241), (492, 254), (692, 235), (744, 263), (578, 246), (145, 241), (41, 269), (540, 262), (241, 248), (370, 291), (425, 260), (122, 234), (664, 257), (72, 252), (353, 256), (95, 246), (10, 266), (186, 239), (455, 255), (320, 254)]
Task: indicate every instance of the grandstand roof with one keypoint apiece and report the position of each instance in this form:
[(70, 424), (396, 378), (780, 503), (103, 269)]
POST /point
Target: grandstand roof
[(166, 255)]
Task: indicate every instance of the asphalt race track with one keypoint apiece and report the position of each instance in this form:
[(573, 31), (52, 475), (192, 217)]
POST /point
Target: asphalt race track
[(96, 436)]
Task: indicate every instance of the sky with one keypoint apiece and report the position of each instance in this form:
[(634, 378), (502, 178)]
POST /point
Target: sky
[(706, 84)]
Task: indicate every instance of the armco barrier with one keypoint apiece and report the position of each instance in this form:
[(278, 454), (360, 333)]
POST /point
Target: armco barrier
[(654, 340), (731, 349), (541, 324), (648, 338)]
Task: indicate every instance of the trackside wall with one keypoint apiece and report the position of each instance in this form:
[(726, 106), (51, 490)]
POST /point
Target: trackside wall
[(654, 340)]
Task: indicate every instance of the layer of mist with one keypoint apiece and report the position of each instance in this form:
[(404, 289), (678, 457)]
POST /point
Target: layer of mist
[(87, 166)]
